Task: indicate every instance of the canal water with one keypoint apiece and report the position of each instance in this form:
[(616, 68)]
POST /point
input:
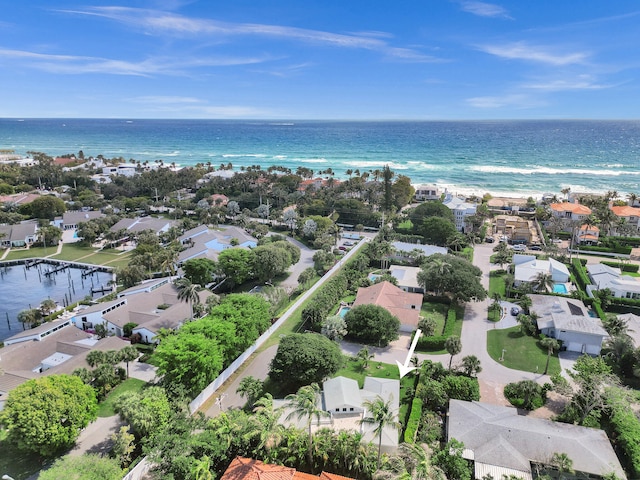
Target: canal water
[(22, 288)]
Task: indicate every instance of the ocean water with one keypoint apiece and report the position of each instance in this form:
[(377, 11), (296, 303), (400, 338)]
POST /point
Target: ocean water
[(500, 157), (22, 288)]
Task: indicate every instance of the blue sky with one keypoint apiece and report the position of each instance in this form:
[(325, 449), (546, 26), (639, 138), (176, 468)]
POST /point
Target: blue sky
[(321, 59)]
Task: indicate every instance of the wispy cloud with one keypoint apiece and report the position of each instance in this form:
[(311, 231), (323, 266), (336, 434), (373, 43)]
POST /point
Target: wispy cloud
[(509, 100), (165, 100), (534, 53), (483, 9), (583, 82), (169, 23), (70, 64)]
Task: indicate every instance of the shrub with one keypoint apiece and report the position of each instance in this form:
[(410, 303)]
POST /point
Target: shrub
[(625, 267), (460, 387), (626, 429), (414, 421), (526, 394)]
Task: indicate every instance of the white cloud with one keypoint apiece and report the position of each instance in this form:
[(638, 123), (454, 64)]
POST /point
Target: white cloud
[(583, 82), (510, 100), (483, 9), (160, 22), (523, 51)]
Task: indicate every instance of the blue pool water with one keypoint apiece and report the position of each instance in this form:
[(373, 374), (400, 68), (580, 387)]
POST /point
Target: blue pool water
[(559, 288), (373, 277), (343, 311)]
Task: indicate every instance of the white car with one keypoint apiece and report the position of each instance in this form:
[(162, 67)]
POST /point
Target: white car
[(519, 248)]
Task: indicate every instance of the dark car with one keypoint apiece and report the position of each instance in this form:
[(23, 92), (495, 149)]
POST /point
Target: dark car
[(515, 311), (535, 247), (489, 239)]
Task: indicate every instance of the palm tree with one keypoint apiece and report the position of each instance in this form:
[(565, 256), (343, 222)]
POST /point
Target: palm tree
[(201, 469), (471, 365), (187, 292), (304, 404), (413, 462), (542, 281), (47, 306), (525, 302), (381, 414), (269, 430), (251, 389), (632, 197), (128, 354), (552, 345), (453, 346), (364, 356)]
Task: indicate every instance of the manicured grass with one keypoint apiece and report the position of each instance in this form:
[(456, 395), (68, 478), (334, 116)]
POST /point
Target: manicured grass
[(74, 251), (497, 284), (437, 311), (353, 369), (33, 252), (16, 463), (521, 351), (106, 407)]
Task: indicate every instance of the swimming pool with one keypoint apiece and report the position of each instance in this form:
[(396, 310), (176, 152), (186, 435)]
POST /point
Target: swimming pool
[(560, 288), (373, 277), (343, 311)]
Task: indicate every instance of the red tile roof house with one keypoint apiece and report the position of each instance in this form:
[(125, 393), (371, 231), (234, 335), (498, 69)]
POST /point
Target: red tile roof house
[(246, 468), (570, 211), (404, 305)]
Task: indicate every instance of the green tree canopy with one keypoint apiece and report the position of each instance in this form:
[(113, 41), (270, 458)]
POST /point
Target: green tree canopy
[(236, 265), (199, 270), (146, 411), (45, 415), (437, 230), (269, 261), (83, 467), (44, 207), (372, 325), (303, 359), (458, 278)]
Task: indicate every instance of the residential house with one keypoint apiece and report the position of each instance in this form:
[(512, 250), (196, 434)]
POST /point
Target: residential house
[(587, 235), (242, 468), (630, 215), (407, 278), (621, 286), (152, 305), (528, 267), (202, 242), (569, 320), (71, 220), (219, 200), (404, 251), (570, 211), (403, 305), (344, 402), (18, 235), (140, 224), (52, 348), (427, 192), (502, 442), (461, 210), (513, 204)]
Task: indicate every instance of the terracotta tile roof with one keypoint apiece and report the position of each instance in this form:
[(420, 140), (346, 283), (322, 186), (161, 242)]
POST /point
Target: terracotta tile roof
[(246, 468), (571, 207), (589, 228), (393, 299), (626, 211)]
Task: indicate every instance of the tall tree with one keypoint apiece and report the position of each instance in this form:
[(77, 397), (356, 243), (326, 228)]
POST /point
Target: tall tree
[(251, 389), (551, 345), (305, 403), (453, 345), (188, 292), (128, 354), (380, 413)]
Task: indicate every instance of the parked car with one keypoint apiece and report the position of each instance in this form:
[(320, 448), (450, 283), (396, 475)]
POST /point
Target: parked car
[(557, 240), (515, 311), (342, 247), (537, 248), (489, 239), (519, 248), (348, 244)]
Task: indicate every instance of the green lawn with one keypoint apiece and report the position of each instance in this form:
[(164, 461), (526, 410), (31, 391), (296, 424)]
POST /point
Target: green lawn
[(105, 409), (521, 351), (353, 369), (34, 252), (497, 284), (75, 253), (437, 311), (15, 463)]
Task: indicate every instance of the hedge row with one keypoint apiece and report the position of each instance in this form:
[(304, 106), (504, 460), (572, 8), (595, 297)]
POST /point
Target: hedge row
[(619, 249), (437, 342), (626, 430), (580, 274), (414, 421), (625, 267)]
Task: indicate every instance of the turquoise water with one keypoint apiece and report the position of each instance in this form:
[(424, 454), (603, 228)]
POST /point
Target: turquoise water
[(373, 276), (343, 311), (559, 288), (500, 157)]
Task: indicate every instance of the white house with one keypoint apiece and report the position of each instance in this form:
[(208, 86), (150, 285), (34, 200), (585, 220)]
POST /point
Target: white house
[(344, 401), (570, 211), (18, 235), (621, 286), (631, 215), (528, 267), (407, 278), (568, 320), (500, 441), (201, 242), (587, 235), (409, 251), (71, 220), (427, 192), (461, 210), (139, 224)]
